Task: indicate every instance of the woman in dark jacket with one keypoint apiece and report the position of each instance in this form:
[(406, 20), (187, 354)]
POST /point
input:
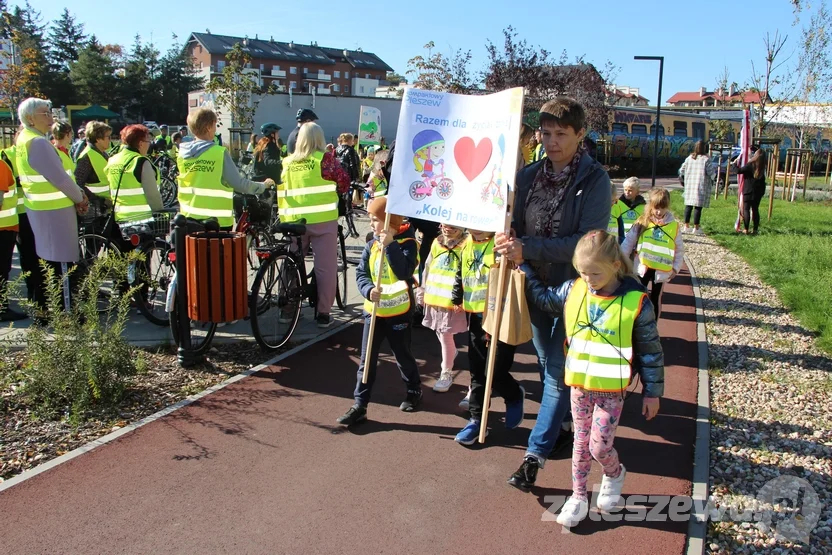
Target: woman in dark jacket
[(753, 190), (268, 163), (558, 200)]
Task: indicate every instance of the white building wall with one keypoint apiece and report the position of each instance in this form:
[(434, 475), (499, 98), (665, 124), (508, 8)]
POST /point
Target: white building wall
[(338, 114)]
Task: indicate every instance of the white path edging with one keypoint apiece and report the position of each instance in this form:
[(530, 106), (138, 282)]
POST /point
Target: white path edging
[(32, 472), (698, 524)]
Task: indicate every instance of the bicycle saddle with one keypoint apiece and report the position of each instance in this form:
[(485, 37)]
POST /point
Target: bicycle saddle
[(295, 228)]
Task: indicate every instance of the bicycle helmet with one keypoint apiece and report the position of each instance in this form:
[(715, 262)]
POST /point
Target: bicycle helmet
[(426, 138), (269, 128), (305, 114)]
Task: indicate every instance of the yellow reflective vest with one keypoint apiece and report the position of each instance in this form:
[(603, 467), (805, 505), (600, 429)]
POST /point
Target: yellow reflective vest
[(304, 193), (101, 187), (395, 293), (8, 210), (599, 338), (126, 189), (477, 259), (657, 246), (442, 272), (628, 215), (202, 194), (9, 155), (379, 186), (40, 194)]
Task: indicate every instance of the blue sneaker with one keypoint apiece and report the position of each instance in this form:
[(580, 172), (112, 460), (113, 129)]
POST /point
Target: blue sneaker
[(514, 411), (470, 433)]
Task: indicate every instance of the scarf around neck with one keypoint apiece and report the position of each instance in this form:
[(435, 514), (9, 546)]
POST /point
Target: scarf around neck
[(557, 183)]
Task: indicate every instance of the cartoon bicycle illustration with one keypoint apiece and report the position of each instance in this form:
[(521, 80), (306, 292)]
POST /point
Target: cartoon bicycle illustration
[(492, 191), (428, 148)]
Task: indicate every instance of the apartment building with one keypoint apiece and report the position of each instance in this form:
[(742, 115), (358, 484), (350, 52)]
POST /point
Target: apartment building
[(290, 66)]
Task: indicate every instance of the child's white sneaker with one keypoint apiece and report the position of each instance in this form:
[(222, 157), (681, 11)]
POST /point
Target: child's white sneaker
[(610, 495), (572, 512), (686, 230), (698, 231), (446, 378)]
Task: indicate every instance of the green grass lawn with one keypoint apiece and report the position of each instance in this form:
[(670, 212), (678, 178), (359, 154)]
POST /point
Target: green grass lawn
[(792, 253)]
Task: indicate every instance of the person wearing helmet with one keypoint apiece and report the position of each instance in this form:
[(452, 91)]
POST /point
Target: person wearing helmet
[(304, 115), (183, 131), (163, 142), (267, 159)]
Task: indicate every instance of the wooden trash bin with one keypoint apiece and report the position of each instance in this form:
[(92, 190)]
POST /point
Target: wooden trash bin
[(217, 276)]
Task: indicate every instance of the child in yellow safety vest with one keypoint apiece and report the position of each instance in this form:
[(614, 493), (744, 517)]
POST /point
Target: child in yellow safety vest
[(394, 311), (657, 242), (442, 290), (611, 333), (376, 183), (477, 259), (630, 205)]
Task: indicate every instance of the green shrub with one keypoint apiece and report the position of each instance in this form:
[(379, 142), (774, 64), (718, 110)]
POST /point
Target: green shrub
[(80, 360)]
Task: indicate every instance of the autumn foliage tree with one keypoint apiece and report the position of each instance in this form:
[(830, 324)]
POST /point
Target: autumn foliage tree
[(237, 90), (437, 72), (518, 64)]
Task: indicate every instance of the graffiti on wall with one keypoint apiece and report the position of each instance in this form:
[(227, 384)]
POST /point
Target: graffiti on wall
[(631, 117), (641, 146)]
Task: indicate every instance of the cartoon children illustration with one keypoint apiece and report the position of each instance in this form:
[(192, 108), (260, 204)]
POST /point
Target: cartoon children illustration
[(428, 148)]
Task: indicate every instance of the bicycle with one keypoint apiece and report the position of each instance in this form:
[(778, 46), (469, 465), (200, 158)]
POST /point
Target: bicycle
[(350, 211), (443, 186), (255, 218), (152, 275), (202, 333), (282, 284), (168, 173)]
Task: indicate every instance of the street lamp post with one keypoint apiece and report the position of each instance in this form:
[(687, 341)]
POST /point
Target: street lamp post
[(658, 111)]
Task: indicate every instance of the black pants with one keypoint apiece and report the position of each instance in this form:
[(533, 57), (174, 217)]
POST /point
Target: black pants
[(29, 261), (397, 331), (697, 214), (751, 210), (655, 290), (430, 231), (7, 242), (504, 382)]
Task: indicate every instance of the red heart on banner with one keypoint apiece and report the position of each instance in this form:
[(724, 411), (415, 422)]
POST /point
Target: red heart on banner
[(471, 158)]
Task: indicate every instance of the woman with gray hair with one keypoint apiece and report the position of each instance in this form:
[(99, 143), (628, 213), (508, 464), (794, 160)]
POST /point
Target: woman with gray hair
[(52, 198)]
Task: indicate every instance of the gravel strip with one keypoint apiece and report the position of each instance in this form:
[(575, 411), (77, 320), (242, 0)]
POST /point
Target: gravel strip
[(27, 441), (771, 414)]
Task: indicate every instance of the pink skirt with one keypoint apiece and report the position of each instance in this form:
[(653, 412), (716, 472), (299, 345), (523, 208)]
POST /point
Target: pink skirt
[(445, 320)]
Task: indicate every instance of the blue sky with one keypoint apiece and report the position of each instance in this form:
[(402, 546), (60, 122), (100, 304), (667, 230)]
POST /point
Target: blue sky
[(697, 41)]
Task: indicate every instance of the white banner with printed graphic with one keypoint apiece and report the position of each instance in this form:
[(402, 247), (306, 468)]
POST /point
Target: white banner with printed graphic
[(369, 126), (455, 156)]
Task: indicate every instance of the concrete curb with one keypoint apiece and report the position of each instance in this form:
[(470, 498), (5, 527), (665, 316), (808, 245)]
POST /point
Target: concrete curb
[(698, 524), (166, 411)]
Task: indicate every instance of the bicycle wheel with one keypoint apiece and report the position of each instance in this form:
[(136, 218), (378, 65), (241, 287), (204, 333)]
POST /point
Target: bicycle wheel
[(201, 332), (256, 241), (154, 275), (275, 301), (97, 247), (341, 278), (169, 190)]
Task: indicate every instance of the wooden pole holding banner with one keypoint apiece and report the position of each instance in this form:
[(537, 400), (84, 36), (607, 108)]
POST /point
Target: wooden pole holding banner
[(498, 320), (373, 316), (498, 304), (828, 162)]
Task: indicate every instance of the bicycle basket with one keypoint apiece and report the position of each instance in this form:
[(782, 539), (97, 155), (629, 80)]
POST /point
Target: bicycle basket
[(161, 224), (95, 218)]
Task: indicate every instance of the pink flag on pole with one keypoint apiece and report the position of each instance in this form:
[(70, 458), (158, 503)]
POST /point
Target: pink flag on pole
[(745, 151)]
